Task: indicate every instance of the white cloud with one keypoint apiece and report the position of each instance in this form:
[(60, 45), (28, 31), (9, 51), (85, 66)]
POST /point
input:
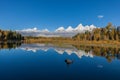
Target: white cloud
[(100, 16)]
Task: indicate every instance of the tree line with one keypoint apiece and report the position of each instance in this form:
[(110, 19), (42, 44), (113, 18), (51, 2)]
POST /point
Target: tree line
[(10, 36), (110, 32)]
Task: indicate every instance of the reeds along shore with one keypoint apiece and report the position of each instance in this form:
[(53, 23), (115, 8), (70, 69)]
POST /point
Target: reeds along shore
[(71, 41)]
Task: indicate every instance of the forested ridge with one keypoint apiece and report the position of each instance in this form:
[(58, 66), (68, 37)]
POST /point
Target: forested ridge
[(109, 32)]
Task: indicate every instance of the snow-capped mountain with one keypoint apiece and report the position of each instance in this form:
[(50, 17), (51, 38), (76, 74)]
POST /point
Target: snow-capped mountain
[(61, 31), (45, 30), (29, 30), (79, 28), (69, 29)]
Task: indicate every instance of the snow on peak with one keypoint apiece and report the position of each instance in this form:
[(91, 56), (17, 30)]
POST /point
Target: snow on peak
[(45, 30), (92, 26), (79, 27), (34, 28), (29, 30), (60, 29), (69, 29)]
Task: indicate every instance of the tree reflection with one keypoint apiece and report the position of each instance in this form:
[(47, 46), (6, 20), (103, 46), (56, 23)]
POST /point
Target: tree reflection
[(9, 45), (108, 52)]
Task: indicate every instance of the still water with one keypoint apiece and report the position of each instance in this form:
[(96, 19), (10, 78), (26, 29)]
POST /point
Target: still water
[(48, 62)]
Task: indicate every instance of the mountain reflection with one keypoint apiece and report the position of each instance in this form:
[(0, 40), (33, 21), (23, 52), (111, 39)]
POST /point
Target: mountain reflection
[(80, 51), (87, 51), (59, 49)]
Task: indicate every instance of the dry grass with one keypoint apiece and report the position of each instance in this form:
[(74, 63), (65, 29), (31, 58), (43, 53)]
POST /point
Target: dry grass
[(74, 42)]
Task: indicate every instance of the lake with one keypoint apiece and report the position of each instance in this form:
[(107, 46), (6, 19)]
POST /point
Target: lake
[(49, 62)]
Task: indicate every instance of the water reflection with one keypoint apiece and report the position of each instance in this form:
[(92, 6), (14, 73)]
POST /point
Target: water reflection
[(107, 52), (58, 62), (10, 45), (87, 51), (69, 49)]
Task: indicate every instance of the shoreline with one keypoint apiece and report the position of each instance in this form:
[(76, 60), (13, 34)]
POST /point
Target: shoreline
[(68, 41), (75, 42)]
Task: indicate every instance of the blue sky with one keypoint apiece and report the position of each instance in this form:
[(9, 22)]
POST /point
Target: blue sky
[(51, 14)]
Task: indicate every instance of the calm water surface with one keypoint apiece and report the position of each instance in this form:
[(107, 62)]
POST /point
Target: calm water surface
[(47, 62)]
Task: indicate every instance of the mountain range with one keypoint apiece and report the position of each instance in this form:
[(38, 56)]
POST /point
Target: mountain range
[(59, 32), (79, 28)]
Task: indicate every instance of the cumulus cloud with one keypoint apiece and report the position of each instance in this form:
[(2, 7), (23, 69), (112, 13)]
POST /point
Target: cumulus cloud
[(100, 16)]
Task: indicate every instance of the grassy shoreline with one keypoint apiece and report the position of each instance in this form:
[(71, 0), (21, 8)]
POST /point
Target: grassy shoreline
[(67, 41), (75, 42)]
